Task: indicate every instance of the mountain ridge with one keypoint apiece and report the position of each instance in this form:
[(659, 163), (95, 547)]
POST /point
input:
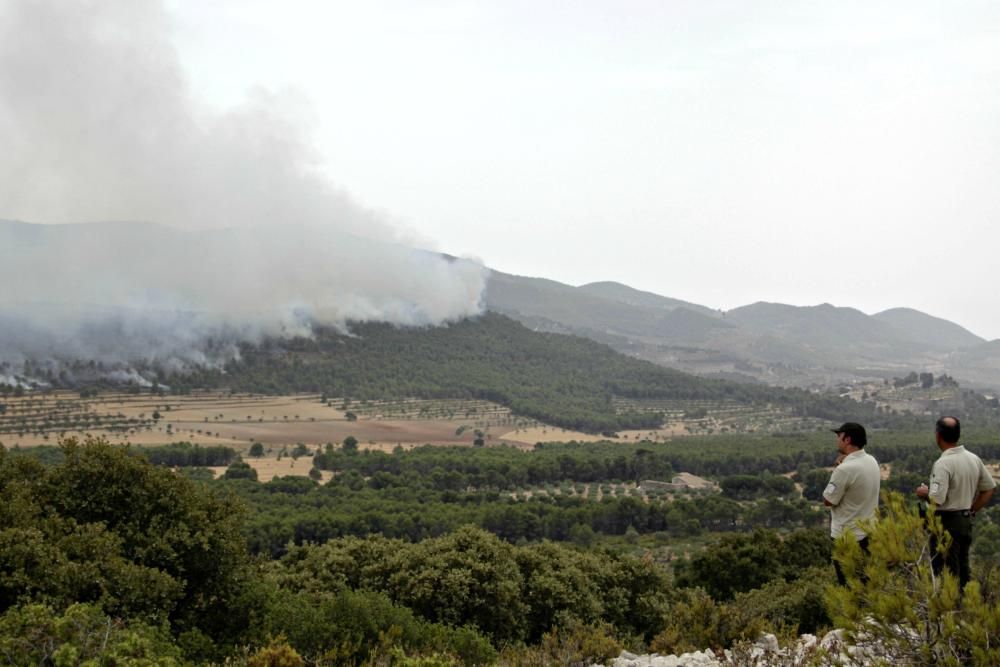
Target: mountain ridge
[(780, 344)]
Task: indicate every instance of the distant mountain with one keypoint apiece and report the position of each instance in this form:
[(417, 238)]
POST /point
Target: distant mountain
[(826, 327), (980, 364), (633, 297), (929, 330), (766, 342), (552, 306), (772, 343)]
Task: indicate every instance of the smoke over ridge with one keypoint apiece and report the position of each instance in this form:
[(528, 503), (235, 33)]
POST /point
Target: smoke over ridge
[(251, 239)]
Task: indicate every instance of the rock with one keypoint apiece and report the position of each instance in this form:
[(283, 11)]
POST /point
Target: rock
[(626, 659), (664, 661), (624, 662), (698, 659), (805, 646), (833, 640), (768, 642)]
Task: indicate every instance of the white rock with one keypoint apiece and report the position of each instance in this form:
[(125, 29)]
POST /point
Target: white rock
[(664, 661), (624, 662), (805, 645), (698, 658), (768, 642), (832, 639)]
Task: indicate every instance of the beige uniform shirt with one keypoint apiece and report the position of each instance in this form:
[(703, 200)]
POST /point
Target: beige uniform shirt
[(853, 493), (957, 478)]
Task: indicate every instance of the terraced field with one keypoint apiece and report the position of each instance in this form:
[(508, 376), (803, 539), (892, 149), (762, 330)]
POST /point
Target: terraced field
[(706, 417)]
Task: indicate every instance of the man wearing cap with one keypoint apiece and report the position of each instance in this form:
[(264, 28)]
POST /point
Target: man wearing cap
[(960, 486), (852, 493)]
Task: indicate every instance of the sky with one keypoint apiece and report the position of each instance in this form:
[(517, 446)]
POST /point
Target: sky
[(717, 152)]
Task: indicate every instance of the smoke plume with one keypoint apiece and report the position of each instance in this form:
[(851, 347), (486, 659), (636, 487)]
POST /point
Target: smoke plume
[(244, 237)]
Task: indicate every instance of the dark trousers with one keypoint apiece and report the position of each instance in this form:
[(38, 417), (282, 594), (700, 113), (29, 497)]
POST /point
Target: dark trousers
[(956, 558), (841, 579)]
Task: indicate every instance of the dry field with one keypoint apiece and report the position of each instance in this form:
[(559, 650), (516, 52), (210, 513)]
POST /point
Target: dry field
[(281, 422), (530, 436), (277, 422), (210, 418), (269, 466)]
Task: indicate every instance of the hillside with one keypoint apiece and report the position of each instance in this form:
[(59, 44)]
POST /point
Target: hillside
[(827, 329), (130, 304), (562, 380), (634, 297), (980, 363), (774, 343), (599, 311), (929, 330)]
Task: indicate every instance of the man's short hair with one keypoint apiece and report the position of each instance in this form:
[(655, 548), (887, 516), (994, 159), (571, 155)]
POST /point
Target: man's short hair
[(854, 431), (949, 432)]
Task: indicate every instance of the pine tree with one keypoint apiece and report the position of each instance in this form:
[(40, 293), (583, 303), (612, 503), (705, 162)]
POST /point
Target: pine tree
[(900, 611)]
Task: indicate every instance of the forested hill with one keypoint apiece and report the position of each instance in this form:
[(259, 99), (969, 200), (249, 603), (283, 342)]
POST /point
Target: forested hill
[(562, 380)]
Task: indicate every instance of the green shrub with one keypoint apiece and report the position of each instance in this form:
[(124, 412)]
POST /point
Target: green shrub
[(790, 608), (83, 634), (695, 621), (901, 611)]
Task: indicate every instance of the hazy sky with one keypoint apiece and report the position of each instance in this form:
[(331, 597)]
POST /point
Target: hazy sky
[(718, 152)]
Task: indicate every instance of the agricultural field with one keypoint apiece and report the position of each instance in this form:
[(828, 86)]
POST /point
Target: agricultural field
[(708, 417), (238, 420), (647, 491)]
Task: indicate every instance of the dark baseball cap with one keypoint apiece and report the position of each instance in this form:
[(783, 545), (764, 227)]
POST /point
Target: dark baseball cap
[(856, 432)]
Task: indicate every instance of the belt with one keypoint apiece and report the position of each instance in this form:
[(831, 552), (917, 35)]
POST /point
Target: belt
[(958, 512)]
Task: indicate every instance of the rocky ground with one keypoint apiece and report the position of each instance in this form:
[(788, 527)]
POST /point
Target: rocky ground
[(764, 652)]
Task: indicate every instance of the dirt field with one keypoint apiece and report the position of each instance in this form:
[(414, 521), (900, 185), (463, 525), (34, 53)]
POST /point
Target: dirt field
[(269, 467), (277, 422), (530, 436), (234, 420)]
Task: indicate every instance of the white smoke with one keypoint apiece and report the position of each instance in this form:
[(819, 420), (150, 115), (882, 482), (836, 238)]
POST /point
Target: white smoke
[(98, 123)]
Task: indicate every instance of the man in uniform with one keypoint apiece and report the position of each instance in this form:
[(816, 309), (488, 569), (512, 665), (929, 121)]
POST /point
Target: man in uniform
[(852, 494), (960, 486)]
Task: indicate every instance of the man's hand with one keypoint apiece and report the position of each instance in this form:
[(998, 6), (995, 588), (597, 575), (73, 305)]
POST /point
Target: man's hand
[(922, 492)]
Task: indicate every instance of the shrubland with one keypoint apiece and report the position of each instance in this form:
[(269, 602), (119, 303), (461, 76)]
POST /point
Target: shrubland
[(432, 557)]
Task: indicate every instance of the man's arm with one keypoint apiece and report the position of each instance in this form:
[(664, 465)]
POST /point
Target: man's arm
[(939, 484), (834, 491), (982, 500)]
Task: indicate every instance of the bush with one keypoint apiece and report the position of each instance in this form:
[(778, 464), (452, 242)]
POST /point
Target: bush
[(241, 470), (83, 634), (576, 645), (901, 611), (277, 654), (140, 542), (742, 562), (350, 626), (790, 608), (695, 621)]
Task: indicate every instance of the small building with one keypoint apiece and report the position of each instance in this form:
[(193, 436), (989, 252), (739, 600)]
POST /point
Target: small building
[(682, 481)]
